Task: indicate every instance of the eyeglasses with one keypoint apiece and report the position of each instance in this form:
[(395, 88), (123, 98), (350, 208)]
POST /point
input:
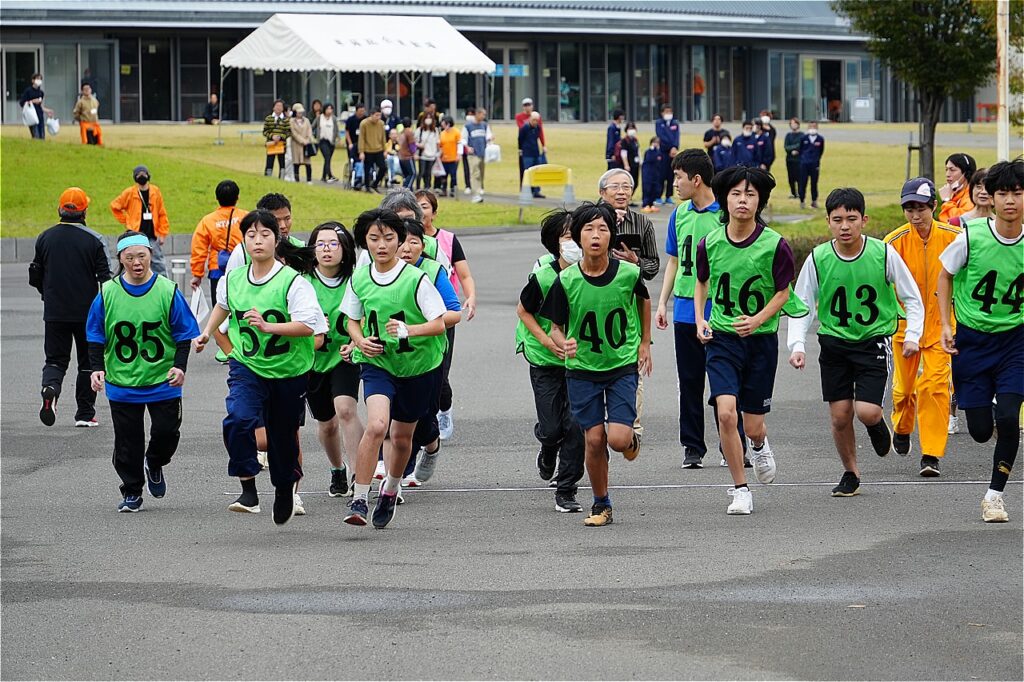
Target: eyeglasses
[(619, 188), (328, 246), (133, 259)]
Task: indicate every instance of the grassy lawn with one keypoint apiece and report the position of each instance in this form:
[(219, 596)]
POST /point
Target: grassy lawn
[(186, 165)]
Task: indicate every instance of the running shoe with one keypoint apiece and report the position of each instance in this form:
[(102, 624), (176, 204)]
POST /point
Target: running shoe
[(993, 511), (764, 462), (849, 485), (384, 510), (86, 423), (155, 481), (247, 503), (547, 459), (954, 425), (357, 512), (300, 509), (901, 443), (881, 438), (567, 504), (445, 424), (746, 463), (426, 464), (930, 466), (742, 501), (633, 451), (380, 472), (48, 410), (130, 504), (692, 459), (339, 483), (284, 503), (600, 515), (411, 481)]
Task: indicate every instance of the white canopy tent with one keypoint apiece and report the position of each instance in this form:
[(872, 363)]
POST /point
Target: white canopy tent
[(356, 43)]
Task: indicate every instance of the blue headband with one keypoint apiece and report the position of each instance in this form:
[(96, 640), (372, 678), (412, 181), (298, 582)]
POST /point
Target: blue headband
[(134, 240)]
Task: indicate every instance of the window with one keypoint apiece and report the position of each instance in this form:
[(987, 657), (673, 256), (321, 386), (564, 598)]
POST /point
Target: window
[(193, 72), (128, 54), (547, 101), (790, 86), (616, 77), (642, 82), (156, 79), (775, 84), (569, 82)]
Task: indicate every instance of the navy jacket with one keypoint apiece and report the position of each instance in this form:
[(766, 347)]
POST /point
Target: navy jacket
[(668, 134), (651, 168), (766, 145), (529, 140), (811, 152), (613, 136), (745, 151), (722, 157)]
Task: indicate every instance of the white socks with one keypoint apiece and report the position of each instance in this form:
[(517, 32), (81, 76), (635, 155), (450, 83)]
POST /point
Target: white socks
[(361, 491), (992, 495), (391, 484)]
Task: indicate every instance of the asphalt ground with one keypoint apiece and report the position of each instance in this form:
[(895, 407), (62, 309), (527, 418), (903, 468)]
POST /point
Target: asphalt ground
[(478, 577)]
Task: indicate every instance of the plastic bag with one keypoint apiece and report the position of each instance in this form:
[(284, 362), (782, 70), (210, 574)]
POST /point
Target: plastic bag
[(29, 115), (437, 170), (199, 306), (53, 126), (492, 154)]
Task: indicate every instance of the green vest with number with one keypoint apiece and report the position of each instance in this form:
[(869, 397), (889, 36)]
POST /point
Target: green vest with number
[(741, 280), (270, 356), (988, 292), (140, 349), (409, 357), (855, 301), (603, 319), (327, 356), (691, 226), (526, 343)]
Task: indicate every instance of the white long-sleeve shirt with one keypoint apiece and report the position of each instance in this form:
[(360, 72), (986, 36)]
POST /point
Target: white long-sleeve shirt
[(896, 272)]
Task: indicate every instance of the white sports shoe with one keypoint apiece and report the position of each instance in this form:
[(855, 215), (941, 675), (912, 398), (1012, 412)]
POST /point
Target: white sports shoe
[(954, 425), (993, 511), (299, 509), (445, 424), (380, 472), (468, 190), (261, 457), (410, 481), (742, 501), (763, 460)]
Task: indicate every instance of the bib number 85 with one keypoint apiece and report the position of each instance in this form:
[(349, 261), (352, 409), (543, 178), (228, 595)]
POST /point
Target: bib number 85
[(127, 347)]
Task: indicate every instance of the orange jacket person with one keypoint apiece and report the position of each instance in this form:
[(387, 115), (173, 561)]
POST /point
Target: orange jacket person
[(216, 235), (956, 193), (919, 244), (141, 208)]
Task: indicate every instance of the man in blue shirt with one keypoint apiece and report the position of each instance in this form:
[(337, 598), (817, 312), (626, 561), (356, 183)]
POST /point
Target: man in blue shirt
[(530, 147), (667, 130), (812, 147), (745, 149), (614, 134)]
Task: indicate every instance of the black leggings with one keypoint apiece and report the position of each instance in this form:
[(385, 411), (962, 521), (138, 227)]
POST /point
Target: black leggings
[(327, 151), (309, 171), (269, 170), (1006, 414), (425, 174)]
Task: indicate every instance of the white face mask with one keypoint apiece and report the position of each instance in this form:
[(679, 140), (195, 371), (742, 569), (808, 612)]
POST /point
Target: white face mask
[(37, 83), (766, 119), (666, 117), (571, 251), (427, 121), (471, 119), (812, 131), (727, 143), (747, 133), (631, 132), (386, 112)]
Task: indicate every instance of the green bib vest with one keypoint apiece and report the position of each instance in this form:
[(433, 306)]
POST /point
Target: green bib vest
[(140, 348), (741, 280), (430, 247), (603, 319), (409, 357), (268, 355), (691, 227), (327, 356), (546, 259), (855, 301), (526, 343), (988, 292)]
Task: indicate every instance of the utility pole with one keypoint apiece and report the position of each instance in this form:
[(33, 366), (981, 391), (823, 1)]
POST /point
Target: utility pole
[(1003, 79)]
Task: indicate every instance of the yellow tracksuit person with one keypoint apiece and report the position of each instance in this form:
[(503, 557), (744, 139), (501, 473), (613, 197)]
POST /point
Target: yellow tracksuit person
[(921, 383)]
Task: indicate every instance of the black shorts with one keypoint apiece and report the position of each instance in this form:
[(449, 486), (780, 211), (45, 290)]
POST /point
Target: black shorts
[(854, 370), (324, 387)]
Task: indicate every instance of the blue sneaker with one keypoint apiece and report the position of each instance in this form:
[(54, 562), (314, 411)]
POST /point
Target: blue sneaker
[(669, 201), (659, 202), (130, 504), (155, 481), (357, 512), (384, 510)]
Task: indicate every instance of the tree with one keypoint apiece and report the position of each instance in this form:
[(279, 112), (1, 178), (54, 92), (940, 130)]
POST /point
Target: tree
[(941, 48)]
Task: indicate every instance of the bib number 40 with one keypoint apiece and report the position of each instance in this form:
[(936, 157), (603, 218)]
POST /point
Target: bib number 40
[(614, 330)]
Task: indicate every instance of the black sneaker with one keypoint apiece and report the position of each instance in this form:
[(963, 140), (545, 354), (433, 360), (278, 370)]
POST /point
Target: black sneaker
[(691, 459), (284, 503), (849, 485), (901, 443), (48, 410), (384, 510), (546, 460), (881, 438), (567, 504), (247, 502), (155, 480), (357, 513), (339, 483), (930, 466)]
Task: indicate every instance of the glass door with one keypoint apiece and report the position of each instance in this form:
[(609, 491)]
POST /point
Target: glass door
[(810, 104), (19, 65)]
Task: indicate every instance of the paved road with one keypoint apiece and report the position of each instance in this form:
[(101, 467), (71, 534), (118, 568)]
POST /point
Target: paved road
[(478, 577)]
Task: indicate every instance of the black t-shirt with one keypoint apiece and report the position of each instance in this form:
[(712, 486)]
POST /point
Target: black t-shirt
[(711, 132), (69, 265), (457, 252), (146, 226), (531, 297), (352, 127)]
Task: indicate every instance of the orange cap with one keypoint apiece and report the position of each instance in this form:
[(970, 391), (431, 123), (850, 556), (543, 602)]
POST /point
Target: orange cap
[(73, 199)]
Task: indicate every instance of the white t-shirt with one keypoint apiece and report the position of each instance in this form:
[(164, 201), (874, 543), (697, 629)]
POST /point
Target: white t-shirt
[(303, 305), (955, 256), (427, 297)]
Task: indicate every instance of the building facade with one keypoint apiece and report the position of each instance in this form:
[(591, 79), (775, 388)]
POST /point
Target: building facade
[(158, 60)]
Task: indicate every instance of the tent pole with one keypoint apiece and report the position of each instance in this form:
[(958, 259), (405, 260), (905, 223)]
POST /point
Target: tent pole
[(220, 95)]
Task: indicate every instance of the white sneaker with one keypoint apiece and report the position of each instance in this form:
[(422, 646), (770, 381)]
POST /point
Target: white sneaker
[(445, 424), (742, 501), (426, 464), (763, 460), (993, 511), (261, 457), (410, 481), (299, 509), (468, 190), (380, 472), (954, 425)]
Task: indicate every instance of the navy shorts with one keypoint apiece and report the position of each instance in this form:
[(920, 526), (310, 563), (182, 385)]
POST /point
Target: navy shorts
[(597, 402), (411, 398), (987, 363), (743, 367), (324, 387)]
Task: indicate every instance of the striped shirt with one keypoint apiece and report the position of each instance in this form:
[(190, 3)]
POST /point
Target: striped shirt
[(650, 258)]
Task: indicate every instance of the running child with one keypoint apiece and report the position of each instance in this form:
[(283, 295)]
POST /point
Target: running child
[(848, 283), (601, 317), (748, 268), (273, 316), (561, 439), (139, 332), (981, 273), (396, 321), (332, 392)]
